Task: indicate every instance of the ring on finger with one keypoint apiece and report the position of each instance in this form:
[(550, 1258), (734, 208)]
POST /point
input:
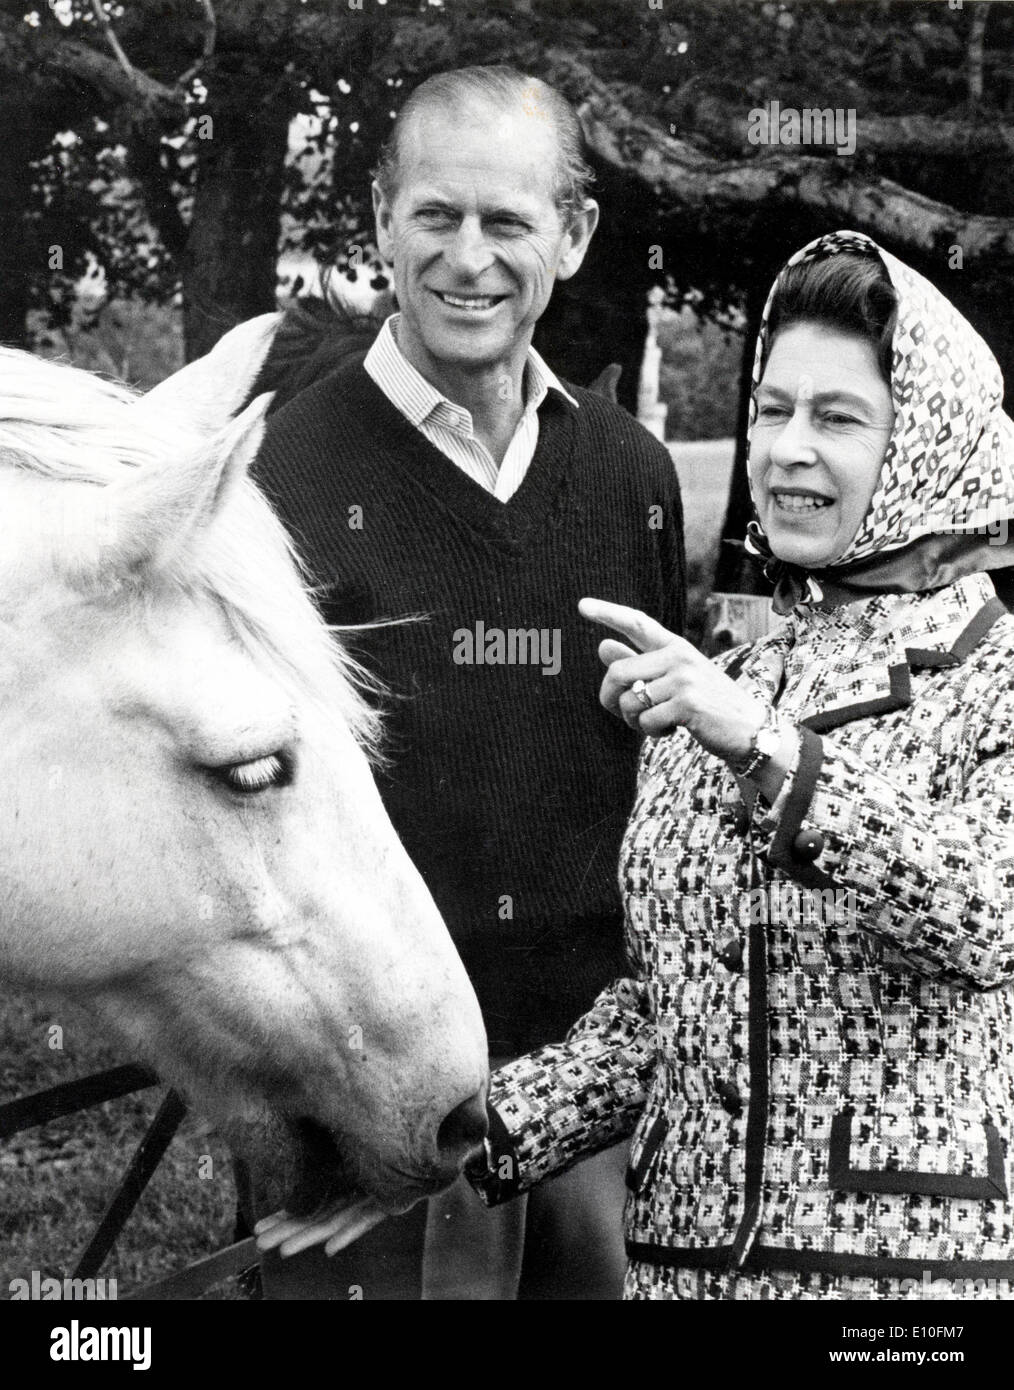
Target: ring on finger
[(640, 691)]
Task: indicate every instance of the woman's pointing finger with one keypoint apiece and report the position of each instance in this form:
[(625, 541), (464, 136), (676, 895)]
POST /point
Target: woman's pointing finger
[(643, 632)]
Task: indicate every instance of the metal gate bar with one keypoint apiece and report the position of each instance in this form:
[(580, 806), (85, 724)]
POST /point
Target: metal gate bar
[(82, 1094), (195, 1279), (147, 1157), (70, 1096)]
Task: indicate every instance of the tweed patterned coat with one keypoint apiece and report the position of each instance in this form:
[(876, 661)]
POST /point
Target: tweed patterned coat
[(815, 1048)]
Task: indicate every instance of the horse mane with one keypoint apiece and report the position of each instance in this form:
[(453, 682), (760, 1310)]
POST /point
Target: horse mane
[(316, 337), (66, 425)]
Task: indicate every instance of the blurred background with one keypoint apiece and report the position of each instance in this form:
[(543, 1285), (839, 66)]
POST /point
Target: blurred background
[(171, 167)]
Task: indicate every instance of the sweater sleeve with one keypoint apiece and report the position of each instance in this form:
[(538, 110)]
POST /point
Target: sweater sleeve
[(569, 1100), (934, 882)]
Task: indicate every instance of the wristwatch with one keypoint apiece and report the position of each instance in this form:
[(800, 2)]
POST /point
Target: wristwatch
[(765, 745)]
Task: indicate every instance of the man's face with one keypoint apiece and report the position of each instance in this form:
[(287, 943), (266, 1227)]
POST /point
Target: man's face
[(474, 236)]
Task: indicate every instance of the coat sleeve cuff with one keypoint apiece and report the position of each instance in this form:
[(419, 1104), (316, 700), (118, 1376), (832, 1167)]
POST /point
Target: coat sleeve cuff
[(793, 848), (766, 817), (494, 1172)]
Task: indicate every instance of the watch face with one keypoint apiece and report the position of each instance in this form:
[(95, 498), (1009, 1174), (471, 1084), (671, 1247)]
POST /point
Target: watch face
[(768, 741)]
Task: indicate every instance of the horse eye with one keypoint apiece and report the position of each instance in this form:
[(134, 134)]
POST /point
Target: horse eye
[(273, 770)]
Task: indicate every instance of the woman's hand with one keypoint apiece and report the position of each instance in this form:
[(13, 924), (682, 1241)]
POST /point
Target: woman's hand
[(339, 1226), (684, 687)]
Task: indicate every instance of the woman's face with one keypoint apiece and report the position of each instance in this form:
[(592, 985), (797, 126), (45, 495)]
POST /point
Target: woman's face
[(824, 419)]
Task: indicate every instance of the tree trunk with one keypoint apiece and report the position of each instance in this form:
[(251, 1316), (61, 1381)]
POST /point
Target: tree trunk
[(229, 265), (599, 317), (13, 301), (20, 247), (736, 572)]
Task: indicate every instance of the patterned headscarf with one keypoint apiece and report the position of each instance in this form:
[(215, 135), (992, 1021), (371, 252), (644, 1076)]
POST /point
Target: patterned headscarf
[(946, 490)]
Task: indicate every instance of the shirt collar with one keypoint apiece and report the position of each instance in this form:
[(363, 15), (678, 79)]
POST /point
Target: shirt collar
[(541, 379), (417, 398)]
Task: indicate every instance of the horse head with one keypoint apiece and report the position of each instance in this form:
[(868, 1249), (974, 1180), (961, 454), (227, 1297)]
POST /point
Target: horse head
[(191, 841)]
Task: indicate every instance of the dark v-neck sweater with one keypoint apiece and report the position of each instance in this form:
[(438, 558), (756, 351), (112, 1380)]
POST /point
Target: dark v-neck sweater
[(509, 785)]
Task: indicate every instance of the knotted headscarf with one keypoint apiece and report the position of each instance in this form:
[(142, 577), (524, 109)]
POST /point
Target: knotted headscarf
[(944, 503)]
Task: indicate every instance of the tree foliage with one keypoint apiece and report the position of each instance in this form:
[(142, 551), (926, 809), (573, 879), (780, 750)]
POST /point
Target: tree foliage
[(154, 137), (665, 89)]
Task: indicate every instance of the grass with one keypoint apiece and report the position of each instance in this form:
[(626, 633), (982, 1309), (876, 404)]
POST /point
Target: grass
[(56, 1180), (134, 342)]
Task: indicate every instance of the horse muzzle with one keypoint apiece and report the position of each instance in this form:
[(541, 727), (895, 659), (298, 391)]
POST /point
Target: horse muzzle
[(300, 1164)]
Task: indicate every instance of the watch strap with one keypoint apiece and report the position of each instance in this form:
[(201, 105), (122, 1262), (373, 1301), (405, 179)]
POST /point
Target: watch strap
[(759, 755)]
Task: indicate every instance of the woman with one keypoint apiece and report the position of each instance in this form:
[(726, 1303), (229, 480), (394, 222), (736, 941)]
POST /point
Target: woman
[(816, 1053)]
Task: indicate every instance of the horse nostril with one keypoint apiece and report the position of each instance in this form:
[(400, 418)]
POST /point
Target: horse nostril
[(464, 1128)]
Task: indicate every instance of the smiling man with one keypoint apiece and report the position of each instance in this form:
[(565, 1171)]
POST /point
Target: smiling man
[(451, 476), (479, 218)]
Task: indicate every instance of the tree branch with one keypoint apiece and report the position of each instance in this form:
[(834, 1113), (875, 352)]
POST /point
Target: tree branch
[(184, 79), (691, 178), (725, 128), (145, 165), (80, 62), (694, 180), (976, 54), (207, 52), (98, 10), (114, 78)]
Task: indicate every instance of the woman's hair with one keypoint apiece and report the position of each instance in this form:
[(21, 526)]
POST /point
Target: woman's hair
[(849, 292)]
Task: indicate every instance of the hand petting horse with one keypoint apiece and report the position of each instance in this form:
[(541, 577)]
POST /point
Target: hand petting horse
[(191, 841)]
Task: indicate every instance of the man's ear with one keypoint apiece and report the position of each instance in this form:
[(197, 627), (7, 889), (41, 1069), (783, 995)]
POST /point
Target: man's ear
[(575, 242), (382, 217)]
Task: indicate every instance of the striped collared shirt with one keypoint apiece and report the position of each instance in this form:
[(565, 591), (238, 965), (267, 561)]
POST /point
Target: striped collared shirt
[(448, 426)]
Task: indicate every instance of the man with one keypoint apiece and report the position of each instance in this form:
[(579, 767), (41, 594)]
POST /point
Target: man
[(450, 477)]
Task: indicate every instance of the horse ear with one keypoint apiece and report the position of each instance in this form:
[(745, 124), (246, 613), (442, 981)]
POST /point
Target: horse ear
[(158, 511), (209, 391)]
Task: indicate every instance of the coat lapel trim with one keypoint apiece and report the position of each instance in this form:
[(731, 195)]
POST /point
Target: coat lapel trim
[(966, 642), (812, 1261), (757, 1105), (899, 681), (900, 686)]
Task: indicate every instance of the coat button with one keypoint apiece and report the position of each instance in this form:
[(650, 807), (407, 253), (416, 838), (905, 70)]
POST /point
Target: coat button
[(808, 846), (741, 819), (731, 956), (729, 1095)]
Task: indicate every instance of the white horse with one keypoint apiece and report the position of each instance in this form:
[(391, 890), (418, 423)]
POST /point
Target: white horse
[(191, 841)]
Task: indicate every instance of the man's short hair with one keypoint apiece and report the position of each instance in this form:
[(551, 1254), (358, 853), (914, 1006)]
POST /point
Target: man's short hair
[(507, 88)]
